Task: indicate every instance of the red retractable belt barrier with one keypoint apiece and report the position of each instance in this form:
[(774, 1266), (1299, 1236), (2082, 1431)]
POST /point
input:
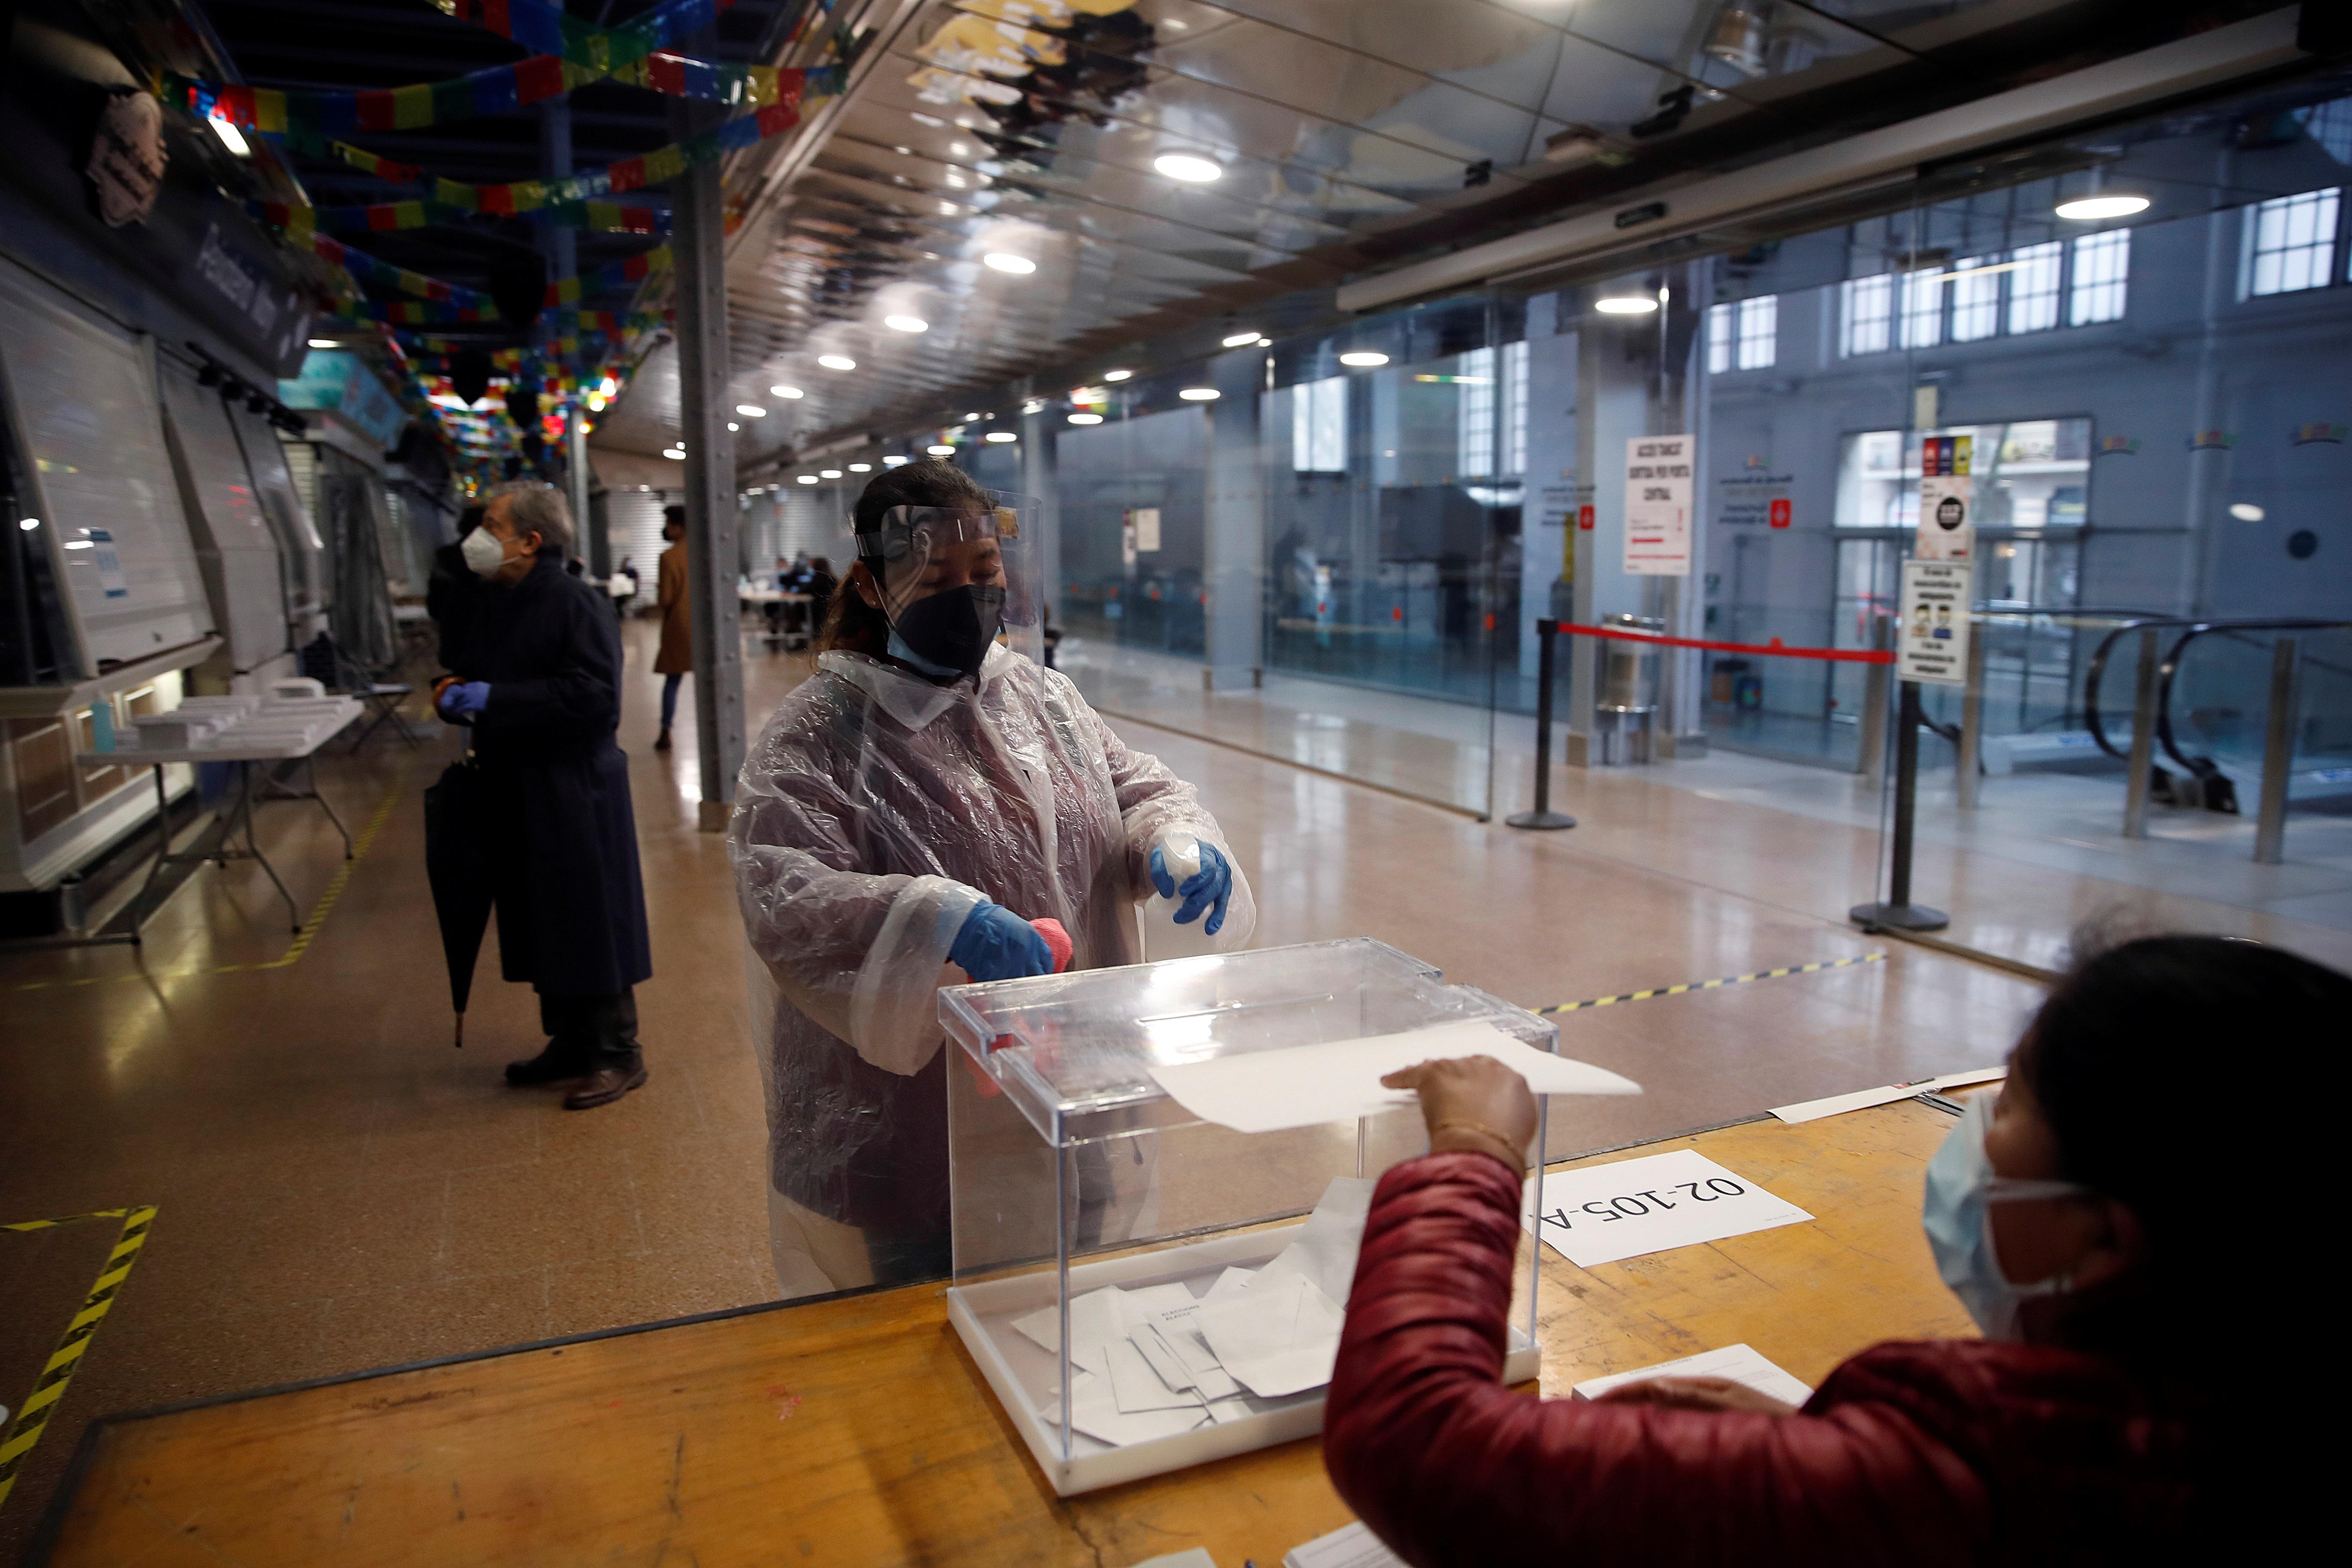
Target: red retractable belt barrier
[(1775, 648)]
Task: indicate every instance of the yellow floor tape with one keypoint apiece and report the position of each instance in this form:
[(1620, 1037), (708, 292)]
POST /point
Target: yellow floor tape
[(1718, 984), (302, 939), (50, 1386)]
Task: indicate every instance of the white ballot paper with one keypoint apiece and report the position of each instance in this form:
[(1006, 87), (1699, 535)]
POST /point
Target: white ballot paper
[(1097, 1319), (1740, 1363), (1325, 1251), (1862, 1099), (1094, 1410), (1652, 1204), (1351, 1546), (1138, 1389), (1278, 1337), (1266, 1091)]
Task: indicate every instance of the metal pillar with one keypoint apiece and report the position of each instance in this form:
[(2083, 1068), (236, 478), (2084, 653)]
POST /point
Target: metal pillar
[(2278, 757), (1898, 912), (2143, 739), (1543, 816), (713, 552), (575, 466), (1964, 766), (1870, 739)]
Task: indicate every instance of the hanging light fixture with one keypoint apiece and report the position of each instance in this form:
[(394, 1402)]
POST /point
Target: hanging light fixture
[(1737, 39)]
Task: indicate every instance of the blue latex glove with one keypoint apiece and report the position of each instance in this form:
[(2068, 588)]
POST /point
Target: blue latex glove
[(1208, 889), (994, 943), (465, 700)]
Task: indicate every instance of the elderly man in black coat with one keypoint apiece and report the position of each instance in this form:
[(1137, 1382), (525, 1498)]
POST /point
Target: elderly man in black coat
[(541, 686)]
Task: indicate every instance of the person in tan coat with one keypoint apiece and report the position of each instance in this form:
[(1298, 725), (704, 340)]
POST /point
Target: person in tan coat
[(674, 659)]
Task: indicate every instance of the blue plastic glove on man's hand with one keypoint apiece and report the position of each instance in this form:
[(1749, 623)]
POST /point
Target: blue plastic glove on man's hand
[(465, 699), (1208, 889), (994, 943)]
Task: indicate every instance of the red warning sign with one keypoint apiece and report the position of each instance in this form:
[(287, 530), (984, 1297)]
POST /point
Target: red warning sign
[(1584, 519), (1780, 512)]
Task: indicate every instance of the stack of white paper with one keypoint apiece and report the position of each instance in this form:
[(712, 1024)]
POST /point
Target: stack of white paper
[(1740, 1363), (1353, 1546), (1157, 1360)]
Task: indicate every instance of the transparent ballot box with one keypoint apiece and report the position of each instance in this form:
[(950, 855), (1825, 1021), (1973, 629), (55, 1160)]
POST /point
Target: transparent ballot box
[(1197, 1274)]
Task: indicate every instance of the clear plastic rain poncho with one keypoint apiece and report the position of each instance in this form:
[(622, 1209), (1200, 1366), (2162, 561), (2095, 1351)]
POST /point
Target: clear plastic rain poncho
[(876, 809)]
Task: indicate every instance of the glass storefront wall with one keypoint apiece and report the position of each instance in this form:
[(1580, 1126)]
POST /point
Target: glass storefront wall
[(1332, 547)]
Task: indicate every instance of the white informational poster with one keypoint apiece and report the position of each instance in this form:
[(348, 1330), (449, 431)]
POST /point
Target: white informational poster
[(1652, 1204), (1948, 499), (1934, 615), (1658, 488), (1147, 529)]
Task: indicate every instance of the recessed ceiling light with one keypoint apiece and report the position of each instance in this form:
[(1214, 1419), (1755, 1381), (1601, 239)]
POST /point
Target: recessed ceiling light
[(894, 461), (2246, 511), (1199, 394), (906, 324), (1117, 374), (752, 410), (1189, 167), (1005, 261), (674, 456), (323, 344), (837, 361), (732, 426), (1625, 305), (969, 418), (30, 523), (1236, 340), (861, 468), (231, 138), (808, 479), (787, 392), (828, 473), (999, 436), (1363, 358), (940, 451), (1086, 418), (2091, 209)]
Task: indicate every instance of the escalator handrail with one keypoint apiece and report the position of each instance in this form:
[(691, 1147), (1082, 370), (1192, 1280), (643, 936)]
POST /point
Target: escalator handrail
[(2171, 665), (2097, 672)]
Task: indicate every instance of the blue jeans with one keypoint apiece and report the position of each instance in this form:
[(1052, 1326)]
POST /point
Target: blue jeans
[(669, 698)]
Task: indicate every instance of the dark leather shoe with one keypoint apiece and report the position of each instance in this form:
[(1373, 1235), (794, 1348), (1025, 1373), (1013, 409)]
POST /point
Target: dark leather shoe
[(661, 741), (552, 1065), (603, 1087)]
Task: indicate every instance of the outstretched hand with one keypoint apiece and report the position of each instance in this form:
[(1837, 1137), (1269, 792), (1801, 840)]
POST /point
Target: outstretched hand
[(1715, 1394), (1472, 1102)]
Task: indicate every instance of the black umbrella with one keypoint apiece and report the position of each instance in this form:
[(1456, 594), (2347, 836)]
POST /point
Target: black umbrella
[(456, 863)]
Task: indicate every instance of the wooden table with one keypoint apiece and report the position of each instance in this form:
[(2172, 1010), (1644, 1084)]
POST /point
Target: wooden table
[(855, 1429)]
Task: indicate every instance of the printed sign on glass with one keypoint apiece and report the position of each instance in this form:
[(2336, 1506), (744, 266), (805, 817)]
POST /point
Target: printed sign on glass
[(1658, 506), (1934, 645)]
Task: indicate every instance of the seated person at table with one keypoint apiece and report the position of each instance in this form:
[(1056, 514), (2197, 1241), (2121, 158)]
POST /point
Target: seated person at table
[(2099, 1217)]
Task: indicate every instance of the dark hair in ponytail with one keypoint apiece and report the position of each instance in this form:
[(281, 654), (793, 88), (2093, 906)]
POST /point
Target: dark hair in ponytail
[(851, 624)]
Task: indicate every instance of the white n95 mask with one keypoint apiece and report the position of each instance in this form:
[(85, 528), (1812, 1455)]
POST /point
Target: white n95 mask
[(483, 552), (1958, 1217)]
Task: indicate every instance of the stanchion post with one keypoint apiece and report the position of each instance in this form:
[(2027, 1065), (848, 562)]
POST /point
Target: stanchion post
[(2143, 739), (1898, 912), (1871, 736), (1543, 816), (2278, 757), (1964, 766)]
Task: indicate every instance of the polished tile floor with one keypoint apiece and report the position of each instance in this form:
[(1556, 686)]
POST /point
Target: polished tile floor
[(340, 1189)]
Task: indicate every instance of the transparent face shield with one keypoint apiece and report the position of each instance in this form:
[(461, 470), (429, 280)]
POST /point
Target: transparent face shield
[(956, 581)]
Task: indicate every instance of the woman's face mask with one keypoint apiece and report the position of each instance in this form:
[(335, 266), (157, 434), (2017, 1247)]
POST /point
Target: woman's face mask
[(1958, 1217), (947, 635)]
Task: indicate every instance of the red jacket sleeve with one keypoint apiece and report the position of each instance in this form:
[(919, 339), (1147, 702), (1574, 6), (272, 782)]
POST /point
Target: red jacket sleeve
[(1450, 1466)]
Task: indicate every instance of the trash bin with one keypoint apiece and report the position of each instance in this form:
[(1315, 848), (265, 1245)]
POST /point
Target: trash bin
[(1628, 701)]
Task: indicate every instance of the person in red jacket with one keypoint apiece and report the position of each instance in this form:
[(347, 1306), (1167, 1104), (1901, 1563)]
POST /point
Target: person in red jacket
[(2090, 1222)]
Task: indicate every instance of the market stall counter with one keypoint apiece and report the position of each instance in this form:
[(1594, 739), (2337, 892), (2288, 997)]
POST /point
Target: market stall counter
[(857, 1429)]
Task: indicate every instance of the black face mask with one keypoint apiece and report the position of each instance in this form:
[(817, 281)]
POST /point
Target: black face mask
[(953, 629)]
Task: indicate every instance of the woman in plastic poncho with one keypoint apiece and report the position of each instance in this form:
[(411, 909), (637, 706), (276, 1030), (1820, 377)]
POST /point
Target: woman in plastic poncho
[(909, 812)]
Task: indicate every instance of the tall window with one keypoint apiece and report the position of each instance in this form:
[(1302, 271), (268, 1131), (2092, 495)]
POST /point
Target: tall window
[(1486, 380), (1976, 299), (2291, 242), (1515, 407), (1923, 309), (1866, 315), (2033, 287), (2102, 268), (1318, 426), (1745, 334)]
